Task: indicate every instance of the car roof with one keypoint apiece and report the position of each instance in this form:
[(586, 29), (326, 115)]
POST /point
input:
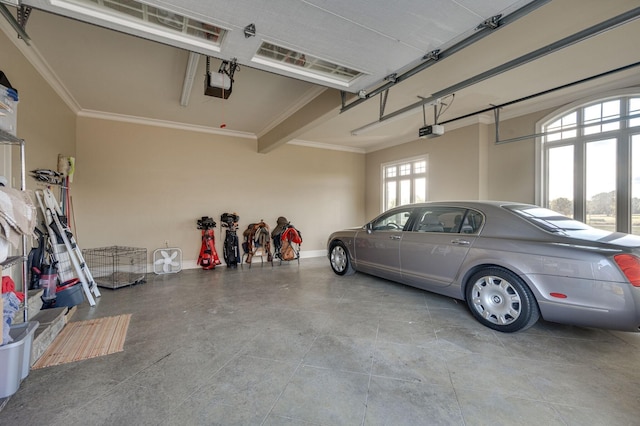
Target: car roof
[(470, 203)]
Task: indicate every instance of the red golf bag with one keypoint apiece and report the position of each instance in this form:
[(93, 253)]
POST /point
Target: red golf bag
[(208, 257)]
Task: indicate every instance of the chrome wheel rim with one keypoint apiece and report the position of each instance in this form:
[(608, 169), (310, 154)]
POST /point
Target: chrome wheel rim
[(496, 300), (338, 259)]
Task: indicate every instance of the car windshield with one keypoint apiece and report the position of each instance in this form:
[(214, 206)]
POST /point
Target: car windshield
[(548, 219)]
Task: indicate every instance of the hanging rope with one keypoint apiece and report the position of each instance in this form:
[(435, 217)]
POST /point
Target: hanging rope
[(223, 124)]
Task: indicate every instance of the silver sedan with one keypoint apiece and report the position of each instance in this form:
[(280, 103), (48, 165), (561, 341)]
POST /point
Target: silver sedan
[(512, 263)]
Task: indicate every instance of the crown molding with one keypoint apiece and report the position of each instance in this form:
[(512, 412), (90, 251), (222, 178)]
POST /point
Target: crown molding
[(164, 123), (332, 147)]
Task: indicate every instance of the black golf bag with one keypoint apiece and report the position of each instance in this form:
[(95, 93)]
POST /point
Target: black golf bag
[(231, 249)]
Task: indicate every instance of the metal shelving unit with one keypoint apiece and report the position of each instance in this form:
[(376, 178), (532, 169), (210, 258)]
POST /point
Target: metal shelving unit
[(8, 139)]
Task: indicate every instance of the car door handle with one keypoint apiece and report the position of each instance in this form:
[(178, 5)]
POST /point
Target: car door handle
[(395, 237), (460, 242)]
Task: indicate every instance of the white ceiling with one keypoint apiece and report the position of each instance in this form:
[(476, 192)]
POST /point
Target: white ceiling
[(374, 37), (102, 72)]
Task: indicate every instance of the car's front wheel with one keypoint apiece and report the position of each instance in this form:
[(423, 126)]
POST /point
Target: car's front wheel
[(339, 259), (500, 300)]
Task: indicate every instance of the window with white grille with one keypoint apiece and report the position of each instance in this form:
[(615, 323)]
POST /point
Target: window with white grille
[(404, 182), (590, 163)]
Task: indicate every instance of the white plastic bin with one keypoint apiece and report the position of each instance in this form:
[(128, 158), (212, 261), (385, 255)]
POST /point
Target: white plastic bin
[(8, 110), (15, 357)]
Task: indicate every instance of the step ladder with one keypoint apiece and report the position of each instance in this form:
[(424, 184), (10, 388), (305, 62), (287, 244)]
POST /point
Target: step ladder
[(68, 251)]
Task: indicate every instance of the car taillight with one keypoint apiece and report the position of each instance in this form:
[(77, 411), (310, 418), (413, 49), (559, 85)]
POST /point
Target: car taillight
[(630, 266)]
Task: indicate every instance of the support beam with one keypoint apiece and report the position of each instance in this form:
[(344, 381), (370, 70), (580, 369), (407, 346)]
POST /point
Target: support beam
[(324, 107), (189, 76)]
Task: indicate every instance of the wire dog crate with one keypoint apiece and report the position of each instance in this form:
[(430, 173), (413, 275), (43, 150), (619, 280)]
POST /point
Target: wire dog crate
[(117, 266)]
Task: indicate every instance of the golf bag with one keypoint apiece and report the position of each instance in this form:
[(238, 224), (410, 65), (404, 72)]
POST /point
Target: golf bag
[(208, 257), (231, 250)]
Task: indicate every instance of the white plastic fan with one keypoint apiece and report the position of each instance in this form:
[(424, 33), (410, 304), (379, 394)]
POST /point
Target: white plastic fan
[(167, 260)]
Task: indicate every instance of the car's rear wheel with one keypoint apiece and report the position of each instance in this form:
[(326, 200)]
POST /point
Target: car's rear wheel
[(500, 300), (339, 259)]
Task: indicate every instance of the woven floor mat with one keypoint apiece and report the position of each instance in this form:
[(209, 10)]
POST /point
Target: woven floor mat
[(86, 339)]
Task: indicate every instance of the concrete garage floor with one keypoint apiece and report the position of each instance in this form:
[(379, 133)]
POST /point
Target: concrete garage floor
[(298, 345)]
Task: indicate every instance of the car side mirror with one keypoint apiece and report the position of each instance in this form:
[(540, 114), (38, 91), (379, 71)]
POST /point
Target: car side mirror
[(368, 227)]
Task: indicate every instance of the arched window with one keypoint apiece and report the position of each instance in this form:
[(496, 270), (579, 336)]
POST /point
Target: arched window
[(589, 162)]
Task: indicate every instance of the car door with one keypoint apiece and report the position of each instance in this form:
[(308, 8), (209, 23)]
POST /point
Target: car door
[(377, 247), (433, 250)]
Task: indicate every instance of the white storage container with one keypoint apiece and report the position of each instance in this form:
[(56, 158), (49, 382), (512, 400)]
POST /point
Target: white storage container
[(15, 357), (8, 110)]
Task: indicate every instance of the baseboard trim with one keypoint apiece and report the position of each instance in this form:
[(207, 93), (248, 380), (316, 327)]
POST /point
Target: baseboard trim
[(192, 264)]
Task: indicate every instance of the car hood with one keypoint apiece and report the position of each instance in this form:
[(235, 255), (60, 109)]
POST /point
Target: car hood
[(352, 230)]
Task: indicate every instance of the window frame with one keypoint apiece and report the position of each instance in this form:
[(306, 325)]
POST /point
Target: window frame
[(623, 137), (398, 177)]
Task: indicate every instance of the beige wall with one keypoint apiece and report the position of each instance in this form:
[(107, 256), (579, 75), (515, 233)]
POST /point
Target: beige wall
[(138, 185), (466, 163), (457, 166), (511, 167), (44, 121), (142, 186)]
